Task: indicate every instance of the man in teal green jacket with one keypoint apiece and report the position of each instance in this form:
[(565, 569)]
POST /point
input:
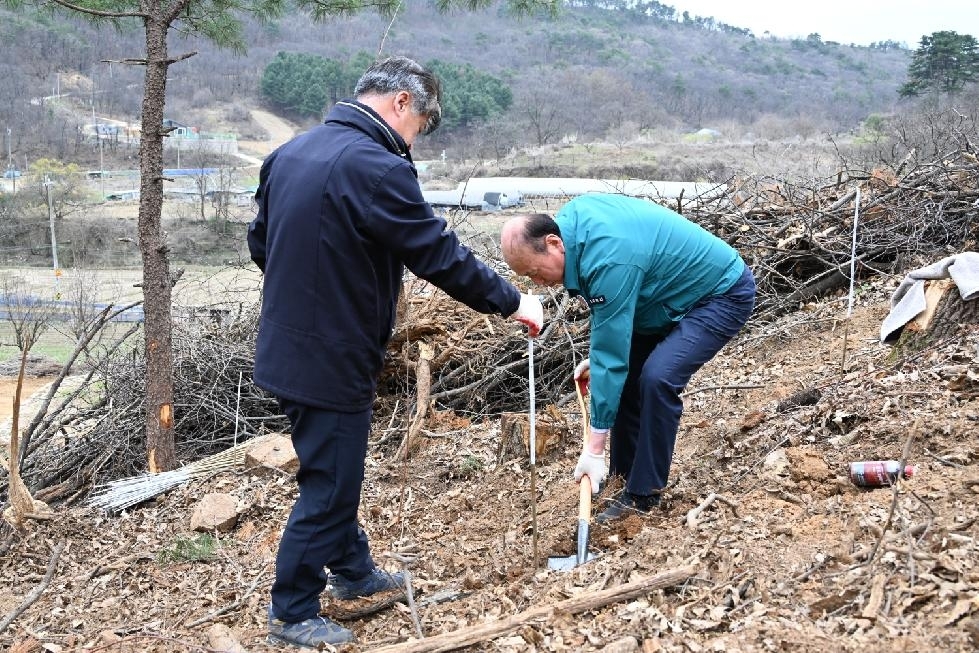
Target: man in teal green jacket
[(665, 295)]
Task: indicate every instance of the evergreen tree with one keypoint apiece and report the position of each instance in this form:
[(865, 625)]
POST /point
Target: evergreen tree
[(469, 96), (944, 62), (308, 84)]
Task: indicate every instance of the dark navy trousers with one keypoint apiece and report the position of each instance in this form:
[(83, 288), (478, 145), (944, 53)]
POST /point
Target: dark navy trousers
[(322, 530), (645, 429)]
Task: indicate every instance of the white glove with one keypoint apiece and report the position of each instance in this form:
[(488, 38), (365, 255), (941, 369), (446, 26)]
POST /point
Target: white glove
[(531, 313), (592, 465), (582, 375)]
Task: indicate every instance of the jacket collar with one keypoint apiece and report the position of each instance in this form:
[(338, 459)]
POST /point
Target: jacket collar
[(362, 117), (566, 225)]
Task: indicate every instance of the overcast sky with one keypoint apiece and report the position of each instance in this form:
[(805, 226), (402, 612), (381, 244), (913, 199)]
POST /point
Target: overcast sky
[(846, 21)]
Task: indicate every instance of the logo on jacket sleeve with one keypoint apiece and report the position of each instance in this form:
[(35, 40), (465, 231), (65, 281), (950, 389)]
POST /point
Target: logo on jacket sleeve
[(592, 301)]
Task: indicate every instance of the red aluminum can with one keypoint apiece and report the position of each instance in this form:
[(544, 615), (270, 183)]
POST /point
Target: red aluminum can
[(878, 473)]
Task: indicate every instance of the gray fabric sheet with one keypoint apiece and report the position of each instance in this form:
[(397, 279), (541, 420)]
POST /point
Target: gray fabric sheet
[(908, 301)]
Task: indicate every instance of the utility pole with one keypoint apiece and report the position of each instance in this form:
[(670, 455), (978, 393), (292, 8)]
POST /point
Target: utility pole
[(101, 167), (98, 136), (54, 242), (10, 161)]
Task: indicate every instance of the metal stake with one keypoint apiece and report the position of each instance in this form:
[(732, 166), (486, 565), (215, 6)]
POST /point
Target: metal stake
[(533, 447)]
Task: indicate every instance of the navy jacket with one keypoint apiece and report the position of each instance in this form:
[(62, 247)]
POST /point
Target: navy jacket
[(340, 216)]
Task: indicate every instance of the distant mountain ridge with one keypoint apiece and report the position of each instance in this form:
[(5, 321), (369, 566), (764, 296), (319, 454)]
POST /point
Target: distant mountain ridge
[(594, 72)]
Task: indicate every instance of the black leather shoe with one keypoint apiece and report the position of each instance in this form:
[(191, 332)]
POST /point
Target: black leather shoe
[(627, 504)]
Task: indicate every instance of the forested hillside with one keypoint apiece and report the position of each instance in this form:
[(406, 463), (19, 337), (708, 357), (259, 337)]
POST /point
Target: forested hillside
[(591, 73)]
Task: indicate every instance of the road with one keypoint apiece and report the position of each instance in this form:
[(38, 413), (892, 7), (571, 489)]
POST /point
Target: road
[(278, 130), (251, 151)]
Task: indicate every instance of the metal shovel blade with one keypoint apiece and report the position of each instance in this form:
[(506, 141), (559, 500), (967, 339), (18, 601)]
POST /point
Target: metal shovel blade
[(584, 502), (565, 563)]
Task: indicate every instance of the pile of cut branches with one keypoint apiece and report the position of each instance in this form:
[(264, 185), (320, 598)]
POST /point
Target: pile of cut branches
[(96, 432), (799, 242), (480, 363)]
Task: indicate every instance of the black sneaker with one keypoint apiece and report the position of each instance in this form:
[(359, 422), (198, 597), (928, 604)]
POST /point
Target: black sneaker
[(313, 632), (627, 504), (341, 587)]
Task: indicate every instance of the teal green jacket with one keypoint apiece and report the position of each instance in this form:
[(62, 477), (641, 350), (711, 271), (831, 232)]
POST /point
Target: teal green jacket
[(640, 267)]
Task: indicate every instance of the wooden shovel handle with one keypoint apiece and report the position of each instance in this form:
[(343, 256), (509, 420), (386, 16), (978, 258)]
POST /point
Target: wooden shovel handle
[(584, 485), (584, 498)]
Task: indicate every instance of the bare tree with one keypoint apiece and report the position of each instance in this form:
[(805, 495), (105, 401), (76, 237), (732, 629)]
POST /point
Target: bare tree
[(542, 114), (22, 503), (202, 177), (23, 310)]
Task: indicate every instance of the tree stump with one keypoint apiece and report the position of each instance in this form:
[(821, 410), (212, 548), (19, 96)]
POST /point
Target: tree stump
[(551, 434), (945, 315)]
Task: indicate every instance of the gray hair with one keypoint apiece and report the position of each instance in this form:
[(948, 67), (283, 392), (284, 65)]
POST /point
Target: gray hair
[(396, 74)]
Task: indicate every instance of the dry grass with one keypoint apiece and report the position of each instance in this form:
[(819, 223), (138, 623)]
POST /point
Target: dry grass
[(660, 156), (199, 288)]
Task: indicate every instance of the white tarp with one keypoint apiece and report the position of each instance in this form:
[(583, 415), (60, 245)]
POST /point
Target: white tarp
[(471, 192)]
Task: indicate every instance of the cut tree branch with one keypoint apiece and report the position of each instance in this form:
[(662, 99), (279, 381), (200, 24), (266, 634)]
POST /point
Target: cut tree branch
[(457, 639)]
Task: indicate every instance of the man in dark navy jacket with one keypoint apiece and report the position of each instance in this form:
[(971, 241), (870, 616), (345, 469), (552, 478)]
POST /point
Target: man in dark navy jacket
[(340, 217)]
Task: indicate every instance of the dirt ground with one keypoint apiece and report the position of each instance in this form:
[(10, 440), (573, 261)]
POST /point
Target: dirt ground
[(784, 552), (8, 388)]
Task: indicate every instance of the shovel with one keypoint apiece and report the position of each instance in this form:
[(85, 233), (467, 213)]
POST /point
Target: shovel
[(581, 555)]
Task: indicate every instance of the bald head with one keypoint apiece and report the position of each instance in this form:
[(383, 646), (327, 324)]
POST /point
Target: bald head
[(512, 236), (532, 247)]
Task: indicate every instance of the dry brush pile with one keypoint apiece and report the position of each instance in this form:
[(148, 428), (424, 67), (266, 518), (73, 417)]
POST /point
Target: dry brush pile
[(798, 240)]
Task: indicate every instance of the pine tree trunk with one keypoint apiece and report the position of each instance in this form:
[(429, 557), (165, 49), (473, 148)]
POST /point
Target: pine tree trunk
[(157, 285)]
